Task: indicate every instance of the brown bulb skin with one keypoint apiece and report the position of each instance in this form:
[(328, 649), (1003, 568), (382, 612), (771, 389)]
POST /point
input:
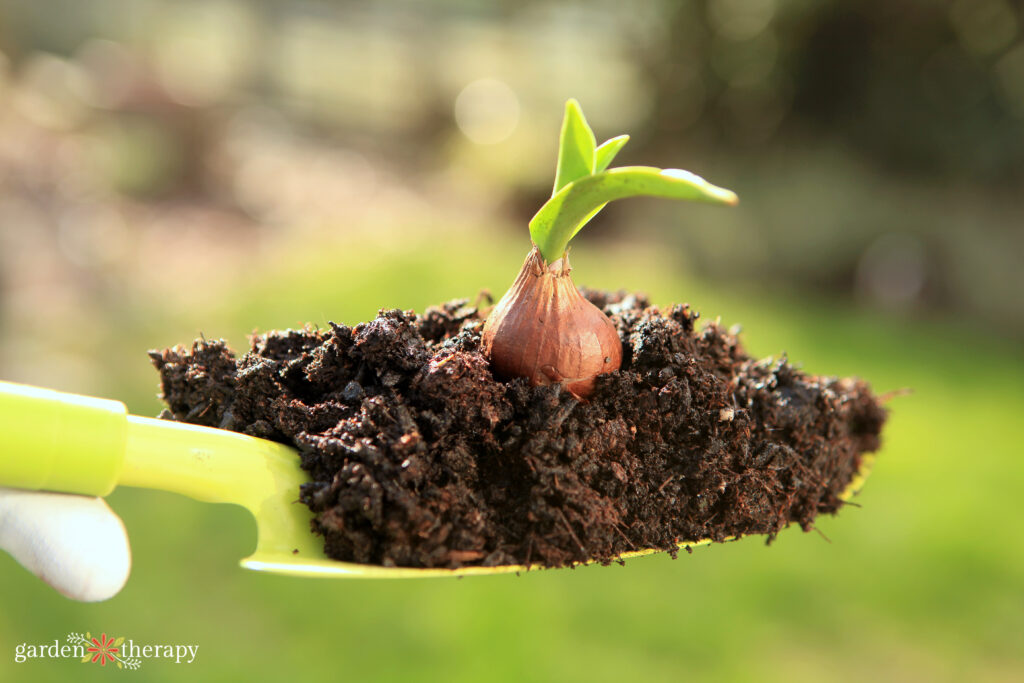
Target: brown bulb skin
[(545, 330)]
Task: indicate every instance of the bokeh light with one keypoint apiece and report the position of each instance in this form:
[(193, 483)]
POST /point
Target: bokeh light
[(487, 111)]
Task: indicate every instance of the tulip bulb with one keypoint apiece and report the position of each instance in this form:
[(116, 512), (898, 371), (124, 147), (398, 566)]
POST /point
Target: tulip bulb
[(545, 330)]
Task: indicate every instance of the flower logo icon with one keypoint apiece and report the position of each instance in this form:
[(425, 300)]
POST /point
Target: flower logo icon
[(103, 650)]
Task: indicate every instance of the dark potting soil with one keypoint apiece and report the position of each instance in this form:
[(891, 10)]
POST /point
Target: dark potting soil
[(420, 458)]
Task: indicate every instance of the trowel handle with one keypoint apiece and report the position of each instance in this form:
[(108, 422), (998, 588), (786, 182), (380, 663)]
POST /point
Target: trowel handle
[(54, 441)]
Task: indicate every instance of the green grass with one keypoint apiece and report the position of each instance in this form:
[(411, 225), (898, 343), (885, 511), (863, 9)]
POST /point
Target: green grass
[(924, 581)]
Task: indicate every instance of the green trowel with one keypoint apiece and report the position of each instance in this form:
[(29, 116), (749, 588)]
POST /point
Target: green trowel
[(54, 441)]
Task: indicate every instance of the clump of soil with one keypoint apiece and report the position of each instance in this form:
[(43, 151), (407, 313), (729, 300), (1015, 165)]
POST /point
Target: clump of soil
[(420, 458)]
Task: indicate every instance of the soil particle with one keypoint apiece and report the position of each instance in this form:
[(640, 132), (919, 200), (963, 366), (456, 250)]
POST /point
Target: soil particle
[(418, 457)]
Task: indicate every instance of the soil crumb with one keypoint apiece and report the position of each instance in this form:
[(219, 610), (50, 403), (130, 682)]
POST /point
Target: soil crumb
[(418, 457)]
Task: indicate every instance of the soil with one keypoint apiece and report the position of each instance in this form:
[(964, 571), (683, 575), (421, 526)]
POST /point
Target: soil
[(418, 457)]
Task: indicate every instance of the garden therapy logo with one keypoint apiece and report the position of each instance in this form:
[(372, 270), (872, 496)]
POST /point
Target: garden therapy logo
[(104, 649)]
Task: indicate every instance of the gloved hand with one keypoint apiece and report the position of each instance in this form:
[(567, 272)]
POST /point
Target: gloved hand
[(77, 544)]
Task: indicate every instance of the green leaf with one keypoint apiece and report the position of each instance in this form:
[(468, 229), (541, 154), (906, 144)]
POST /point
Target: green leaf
[(586, 219), (604, 154), (566, 212), (575, 147)]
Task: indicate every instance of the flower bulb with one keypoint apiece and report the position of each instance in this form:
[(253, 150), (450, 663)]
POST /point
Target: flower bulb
[(545, 330)]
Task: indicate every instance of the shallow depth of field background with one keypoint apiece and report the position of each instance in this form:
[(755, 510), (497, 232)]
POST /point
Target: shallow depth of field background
[(170, 169)]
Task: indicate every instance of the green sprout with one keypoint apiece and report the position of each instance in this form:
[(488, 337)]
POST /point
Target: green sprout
[(584, 184), (543, 328)]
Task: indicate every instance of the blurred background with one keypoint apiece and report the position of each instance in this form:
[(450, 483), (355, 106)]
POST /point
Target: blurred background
[(177, 168)]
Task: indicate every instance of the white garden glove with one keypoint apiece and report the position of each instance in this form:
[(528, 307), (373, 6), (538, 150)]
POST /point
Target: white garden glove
[(77, 544)]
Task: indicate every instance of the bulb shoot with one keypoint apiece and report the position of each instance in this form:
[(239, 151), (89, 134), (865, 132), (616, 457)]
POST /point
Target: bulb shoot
[(543, 329)]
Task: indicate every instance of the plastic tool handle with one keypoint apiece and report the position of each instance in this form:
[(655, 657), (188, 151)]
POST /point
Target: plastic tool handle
[(54, 441)]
